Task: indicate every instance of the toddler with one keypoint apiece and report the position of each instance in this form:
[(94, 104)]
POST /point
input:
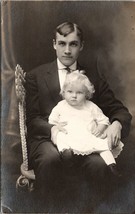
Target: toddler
[(86, 123)]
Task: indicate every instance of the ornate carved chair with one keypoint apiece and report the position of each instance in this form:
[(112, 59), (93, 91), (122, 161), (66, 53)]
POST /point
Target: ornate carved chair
[(27, 176)]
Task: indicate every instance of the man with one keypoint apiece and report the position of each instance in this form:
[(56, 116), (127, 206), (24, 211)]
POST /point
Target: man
[(43, 85)]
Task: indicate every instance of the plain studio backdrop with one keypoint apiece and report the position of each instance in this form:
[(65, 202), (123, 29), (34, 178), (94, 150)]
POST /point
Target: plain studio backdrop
[(27, 34)]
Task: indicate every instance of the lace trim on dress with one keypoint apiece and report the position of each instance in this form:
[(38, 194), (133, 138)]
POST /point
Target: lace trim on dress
[(115, 151)]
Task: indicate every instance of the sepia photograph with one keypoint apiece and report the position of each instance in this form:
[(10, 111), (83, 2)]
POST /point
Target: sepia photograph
[(67, 107)]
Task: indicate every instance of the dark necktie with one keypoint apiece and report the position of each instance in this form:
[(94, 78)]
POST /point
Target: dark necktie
[(68, 70)]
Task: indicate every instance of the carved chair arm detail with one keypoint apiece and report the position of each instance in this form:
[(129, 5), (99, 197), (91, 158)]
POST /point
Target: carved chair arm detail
[(20, 93)]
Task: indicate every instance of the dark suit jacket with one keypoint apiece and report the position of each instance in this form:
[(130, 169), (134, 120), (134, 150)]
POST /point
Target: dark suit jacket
[(42, 94)]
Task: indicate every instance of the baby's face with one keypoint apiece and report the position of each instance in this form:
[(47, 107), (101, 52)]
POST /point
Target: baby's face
[(75, 94)]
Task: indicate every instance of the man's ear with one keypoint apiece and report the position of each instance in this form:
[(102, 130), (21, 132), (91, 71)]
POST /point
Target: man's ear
[(82, 45), (54, 44)]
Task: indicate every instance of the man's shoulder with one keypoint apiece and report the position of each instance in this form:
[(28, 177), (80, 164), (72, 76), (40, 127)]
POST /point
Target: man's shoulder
[(89, 66), (44, 67)]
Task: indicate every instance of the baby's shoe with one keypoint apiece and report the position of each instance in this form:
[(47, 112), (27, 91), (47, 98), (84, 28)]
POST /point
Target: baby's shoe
[(113, 169)]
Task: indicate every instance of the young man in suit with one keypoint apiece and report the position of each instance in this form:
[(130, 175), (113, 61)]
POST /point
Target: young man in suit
[(43, 86)]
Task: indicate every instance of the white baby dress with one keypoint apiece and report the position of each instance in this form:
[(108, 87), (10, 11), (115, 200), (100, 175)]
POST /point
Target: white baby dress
[(80, 122)]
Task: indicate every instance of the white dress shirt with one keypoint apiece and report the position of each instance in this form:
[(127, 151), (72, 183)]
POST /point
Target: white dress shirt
[(62, 72)]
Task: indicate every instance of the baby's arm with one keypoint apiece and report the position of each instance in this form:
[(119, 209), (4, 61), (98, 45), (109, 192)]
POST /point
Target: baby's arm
[(56, 129), (54, 119), (102, 122)]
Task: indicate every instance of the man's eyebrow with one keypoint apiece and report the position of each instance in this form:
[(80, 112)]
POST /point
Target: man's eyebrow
[(61, 41), (71, 42), (74, 41)]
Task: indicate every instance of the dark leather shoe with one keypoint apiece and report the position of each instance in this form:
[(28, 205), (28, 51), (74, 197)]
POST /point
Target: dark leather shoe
[(112, 167)]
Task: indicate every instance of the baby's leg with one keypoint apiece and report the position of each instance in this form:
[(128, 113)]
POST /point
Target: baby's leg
[(107, 157), (110, 161)]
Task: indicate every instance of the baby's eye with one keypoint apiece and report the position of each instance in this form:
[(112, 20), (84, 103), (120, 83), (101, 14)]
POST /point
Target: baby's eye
[(69, 91), (80, 92)]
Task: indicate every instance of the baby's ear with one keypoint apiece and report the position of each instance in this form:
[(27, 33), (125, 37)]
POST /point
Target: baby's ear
[(62, 93), (82, 71)]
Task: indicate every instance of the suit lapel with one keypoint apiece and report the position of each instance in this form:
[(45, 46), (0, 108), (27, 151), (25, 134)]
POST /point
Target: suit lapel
[(52, 81)]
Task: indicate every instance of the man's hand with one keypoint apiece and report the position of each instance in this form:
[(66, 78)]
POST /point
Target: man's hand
[(57, 128), (114, 134)]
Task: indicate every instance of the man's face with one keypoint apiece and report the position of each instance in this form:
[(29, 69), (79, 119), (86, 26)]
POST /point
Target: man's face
[(67, 48)]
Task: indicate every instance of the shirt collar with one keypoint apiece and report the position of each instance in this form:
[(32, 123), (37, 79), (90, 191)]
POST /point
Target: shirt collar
[(61, 66)]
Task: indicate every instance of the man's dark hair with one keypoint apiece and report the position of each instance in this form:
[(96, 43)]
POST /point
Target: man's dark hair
[(67, 28)]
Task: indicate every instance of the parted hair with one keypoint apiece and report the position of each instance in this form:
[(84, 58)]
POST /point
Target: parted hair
[(68, 27), (78, 77)]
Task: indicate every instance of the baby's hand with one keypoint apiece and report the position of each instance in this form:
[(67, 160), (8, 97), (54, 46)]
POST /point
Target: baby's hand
[(98, 133)]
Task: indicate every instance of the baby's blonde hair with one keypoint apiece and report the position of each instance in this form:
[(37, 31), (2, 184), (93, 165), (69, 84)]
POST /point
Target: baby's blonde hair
[(79, 76)]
